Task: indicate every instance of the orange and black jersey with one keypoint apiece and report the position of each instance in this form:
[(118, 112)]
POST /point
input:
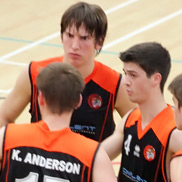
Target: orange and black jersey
[(179, 153), (32, 152), (143, 151), (94, 118)]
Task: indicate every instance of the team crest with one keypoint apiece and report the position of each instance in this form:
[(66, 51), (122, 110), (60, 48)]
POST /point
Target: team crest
[(149, 153), (95, 101)]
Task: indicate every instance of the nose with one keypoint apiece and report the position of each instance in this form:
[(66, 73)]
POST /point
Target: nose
[(75, 43), (126, 80)]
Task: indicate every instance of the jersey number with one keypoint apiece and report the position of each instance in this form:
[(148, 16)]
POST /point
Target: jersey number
[(33, 177), (127, 144)]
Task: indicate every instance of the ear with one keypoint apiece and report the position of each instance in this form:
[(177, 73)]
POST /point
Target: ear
[(180, 109), (98, 47), (80, 102), (156, 77), (99, 44), (41, 98), (61, 38)]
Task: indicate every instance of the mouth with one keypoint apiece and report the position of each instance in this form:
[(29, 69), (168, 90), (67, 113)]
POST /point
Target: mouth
[(129, 92), (74, 55)]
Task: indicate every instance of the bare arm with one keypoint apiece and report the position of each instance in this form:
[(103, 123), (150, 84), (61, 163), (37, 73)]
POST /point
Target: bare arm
[(1, 143), (103, 170), (175, 145), (176, 169), (123, 104), (113, 144), (17, 99)]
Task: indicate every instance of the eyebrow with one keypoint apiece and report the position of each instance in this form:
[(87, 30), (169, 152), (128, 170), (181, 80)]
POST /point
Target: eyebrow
[(130, 71)]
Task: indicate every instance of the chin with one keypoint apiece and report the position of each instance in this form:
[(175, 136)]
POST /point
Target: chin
[(179, 126), (132, 99), (75, 63)]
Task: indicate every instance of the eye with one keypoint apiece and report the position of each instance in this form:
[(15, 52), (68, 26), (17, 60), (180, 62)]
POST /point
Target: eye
[(130, 74), (133, 75), (84, 37), (69, 34)]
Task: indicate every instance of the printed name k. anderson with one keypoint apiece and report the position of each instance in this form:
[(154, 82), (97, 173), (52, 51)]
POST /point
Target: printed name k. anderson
[(48, 163)]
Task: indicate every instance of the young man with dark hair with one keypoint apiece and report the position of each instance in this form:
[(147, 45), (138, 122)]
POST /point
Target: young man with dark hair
[(147, 136), (83, 31)]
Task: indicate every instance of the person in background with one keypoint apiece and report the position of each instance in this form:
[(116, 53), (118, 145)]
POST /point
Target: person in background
[(147, 137), (83, 31), (48, 150), (175, 87)]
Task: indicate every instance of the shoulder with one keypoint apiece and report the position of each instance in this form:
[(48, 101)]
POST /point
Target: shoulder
[(2, 132), (106, 77), (36, 66), (175, 143), (132, 116), (179, 153), (44, 63), (84, 148), (83, 141), (15, 132), (106, 69)]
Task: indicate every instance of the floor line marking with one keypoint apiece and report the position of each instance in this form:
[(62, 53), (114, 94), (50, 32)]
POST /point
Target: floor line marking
[(143, 29), (58, 33)]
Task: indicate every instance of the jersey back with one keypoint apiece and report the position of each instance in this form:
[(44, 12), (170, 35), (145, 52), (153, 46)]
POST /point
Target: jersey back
[(34, 154)]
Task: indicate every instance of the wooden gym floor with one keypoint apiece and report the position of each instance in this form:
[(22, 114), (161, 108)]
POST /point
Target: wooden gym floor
[(29, 30)]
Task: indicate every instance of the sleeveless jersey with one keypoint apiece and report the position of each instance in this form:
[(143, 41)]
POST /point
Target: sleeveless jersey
[(32, 152), (143, 151), (94, 118)]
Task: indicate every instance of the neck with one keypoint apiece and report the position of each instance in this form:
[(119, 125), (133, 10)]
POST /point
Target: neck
[(57, 122), (85, 68)]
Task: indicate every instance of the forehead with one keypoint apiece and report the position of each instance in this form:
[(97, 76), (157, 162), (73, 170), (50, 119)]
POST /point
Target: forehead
[(81, 29), (132, 67)]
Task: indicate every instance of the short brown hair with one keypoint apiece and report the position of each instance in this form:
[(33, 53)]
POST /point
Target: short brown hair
[(61, 85), (152, 57), (175, 87), (90, 15)]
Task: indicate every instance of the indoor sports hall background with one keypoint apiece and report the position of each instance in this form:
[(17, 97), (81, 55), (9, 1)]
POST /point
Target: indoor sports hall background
[(30, 30)]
